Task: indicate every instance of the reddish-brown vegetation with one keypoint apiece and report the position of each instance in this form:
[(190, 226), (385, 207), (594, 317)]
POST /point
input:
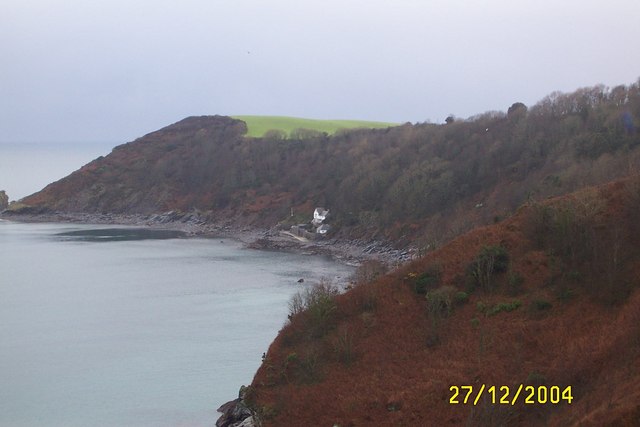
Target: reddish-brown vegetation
[(566, 332)]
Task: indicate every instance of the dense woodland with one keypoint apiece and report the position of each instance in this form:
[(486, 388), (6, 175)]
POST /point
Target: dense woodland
[(412, 183)]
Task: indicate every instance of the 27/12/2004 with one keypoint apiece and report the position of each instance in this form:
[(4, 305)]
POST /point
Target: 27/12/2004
[(530, 395)]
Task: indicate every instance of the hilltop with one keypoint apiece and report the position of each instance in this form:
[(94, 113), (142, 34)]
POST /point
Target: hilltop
[(293, 127)]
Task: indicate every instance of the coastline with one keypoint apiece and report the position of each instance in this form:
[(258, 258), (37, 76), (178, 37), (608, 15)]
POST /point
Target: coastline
[(353, 253), (349, 252)]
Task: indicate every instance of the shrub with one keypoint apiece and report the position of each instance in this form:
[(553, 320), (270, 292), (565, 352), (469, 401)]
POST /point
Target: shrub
[(343, 346), (441, 300), (296, 304), (481, 306), (490, 260), (515, 281), (541, 305), (290, 363), (309, 366), (426, 280), (304, 133), (320, 308), (317, 305), (291, 358), (439, 304), (504, 306), (461, 298), (275, 135)]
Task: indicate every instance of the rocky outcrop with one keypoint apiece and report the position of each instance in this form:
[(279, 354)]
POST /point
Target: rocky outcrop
[(236, 413), (4, 200)]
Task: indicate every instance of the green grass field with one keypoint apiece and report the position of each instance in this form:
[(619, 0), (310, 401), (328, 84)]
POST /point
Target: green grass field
[(258, 125)]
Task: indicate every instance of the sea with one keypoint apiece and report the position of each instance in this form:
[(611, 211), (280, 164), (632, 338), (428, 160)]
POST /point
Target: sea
[(121, 326), (27, 167)]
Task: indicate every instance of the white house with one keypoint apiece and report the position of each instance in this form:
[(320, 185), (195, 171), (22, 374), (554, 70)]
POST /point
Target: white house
[(319, 215)]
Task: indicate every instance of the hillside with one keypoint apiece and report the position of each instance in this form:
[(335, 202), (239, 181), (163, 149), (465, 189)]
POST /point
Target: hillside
[(526, 223), (549, 297), (293, 127), (419, 184)]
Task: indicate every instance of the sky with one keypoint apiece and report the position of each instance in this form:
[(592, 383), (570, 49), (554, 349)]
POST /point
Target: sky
[(94, 71)]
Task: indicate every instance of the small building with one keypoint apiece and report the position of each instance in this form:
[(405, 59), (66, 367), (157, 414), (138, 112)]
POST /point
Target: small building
[(319, 215)]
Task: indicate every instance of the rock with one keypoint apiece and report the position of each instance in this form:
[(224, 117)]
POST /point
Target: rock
[(394, 402), (236, 413), (233, 412), (4, 200), (248, 422)]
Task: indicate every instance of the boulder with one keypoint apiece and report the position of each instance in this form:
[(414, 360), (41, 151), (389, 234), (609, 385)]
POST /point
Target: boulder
[(236, 413)]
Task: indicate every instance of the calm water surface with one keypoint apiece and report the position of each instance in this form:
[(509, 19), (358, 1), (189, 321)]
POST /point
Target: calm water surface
[(28, 167), (105, 326)]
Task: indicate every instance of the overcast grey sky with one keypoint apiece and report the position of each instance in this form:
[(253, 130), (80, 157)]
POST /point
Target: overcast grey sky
[(113, 70)]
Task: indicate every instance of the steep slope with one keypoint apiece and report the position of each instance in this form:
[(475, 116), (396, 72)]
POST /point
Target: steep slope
[(421, 184), (557, 305), (171, 168)]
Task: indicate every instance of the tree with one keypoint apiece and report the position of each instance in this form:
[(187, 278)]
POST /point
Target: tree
[(275, 135), (303, 133), (517, 110)]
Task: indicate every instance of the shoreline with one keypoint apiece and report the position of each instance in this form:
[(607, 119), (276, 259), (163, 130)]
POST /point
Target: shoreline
[(352, 253)]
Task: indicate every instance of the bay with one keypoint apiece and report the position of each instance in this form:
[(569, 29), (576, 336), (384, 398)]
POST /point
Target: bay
[(152, 330)]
